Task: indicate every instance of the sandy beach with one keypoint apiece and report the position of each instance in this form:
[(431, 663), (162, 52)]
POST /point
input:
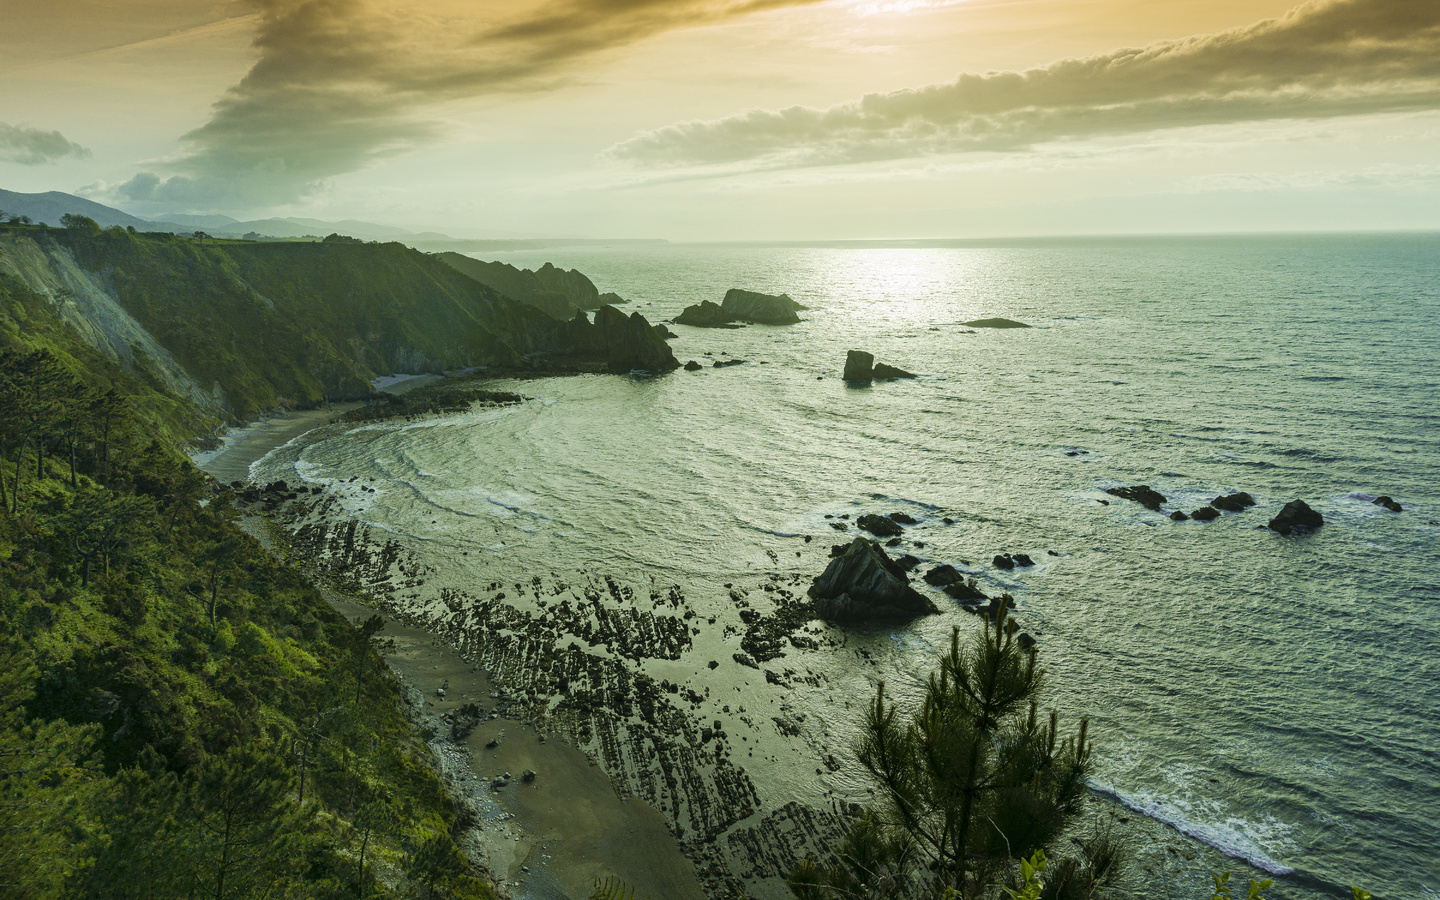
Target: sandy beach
[(551, 837)]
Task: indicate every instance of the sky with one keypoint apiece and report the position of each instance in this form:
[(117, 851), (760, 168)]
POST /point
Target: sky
[(694, 120)]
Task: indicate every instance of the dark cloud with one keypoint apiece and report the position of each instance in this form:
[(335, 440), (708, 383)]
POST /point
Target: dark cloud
[(343, 83), (1323, 59), (32, 147)]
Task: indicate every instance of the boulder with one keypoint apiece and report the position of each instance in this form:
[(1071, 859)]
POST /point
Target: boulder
[(966, 591), (1179, 516), (880, 526), (942, 575), (907, 562), (1205, 514), (996, 323), (1296, 514), (1388, 503), (903, 518), (863, 584), (890, 373), (859, 365), (1233, 502), (1141, 494), (1023, 559), (664, 332), (1004, 561), (726, 363), (766, 309), (693, 366), (610, 298)]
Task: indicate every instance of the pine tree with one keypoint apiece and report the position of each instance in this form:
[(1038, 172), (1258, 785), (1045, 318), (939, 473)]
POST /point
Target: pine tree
[(971, 782)]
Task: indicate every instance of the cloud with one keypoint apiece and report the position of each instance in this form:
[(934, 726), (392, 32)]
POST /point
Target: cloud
[(32, 147), (341, 84), (1323, 59)]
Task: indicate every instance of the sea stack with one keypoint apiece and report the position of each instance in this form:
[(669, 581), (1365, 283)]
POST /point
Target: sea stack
[(859, 366)]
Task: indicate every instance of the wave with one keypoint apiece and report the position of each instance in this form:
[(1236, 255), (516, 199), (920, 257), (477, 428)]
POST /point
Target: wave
[(1231, 838)]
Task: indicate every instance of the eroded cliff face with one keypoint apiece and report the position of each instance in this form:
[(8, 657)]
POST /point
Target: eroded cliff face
[(242, 328), (86, 303)]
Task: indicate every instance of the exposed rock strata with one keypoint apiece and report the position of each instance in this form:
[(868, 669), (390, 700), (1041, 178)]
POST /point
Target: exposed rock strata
[(863, 584)]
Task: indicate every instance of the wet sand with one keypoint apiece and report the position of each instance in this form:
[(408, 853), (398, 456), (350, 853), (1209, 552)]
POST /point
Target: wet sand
[(553, 837)]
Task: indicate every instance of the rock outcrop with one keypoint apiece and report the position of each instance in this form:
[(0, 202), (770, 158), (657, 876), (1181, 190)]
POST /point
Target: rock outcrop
[(880, 526), (1233, 502), (741, 306), (996, 323), (1205, 514), (883, 372), (1297, 514), (1388, 502), (1141, 494), (864, 584), (704, 315), (625, 342), (766, 309), (861, 366)]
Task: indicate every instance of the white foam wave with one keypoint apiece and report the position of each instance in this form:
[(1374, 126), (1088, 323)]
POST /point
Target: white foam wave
[(1233, 836)]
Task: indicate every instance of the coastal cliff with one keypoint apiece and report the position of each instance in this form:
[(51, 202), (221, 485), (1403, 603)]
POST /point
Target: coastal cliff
[(237, 327)]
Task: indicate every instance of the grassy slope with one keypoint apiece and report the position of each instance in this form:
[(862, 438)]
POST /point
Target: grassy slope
[(277, 324), (127, 711)]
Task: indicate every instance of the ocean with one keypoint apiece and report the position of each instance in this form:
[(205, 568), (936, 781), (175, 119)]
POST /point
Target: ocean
[(1261, 703)]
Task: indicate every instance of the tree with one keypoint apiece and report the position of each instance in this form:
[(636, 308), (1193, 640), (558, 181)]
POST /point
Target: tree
[(365, 642), (971, 782), (246, 824), (97, 521), (77, 222)]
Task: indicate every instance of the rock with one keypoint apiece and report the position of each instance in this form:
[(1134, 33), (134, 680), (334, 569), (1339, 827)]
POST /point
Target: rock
[(704, 315), (1205, 514), (693, 366), (840, 526), (966, 591), (864, 584), (880, 526), (766, 309), (859, 366), (890, 373), (527, 776), (499, 782), (942, 575), (610, 298), (1388, 503), (907, 562), (1004, 561), (1179, 516), (1023, 559), (726, 363), (996, 323), (1296, 514), (893, 542), (1233, 502), (571, 284), (624, 342), (903, 518), (838, 550), (1025, 641), (1141, 494), (664, 332)]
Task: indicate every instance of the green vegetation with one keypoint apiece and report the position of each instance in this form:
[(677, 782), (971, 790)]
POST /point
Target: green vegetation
[(972, 783), (291, 324), (180, 715)]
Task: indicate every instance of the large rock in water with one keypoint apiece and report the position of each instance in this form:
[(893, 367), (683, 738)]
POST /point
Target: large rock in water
[(863, 584), (704, 315), (996, 323), (883, 372), (1233, 502), (859, 366), (1141, 494), (1296, 514), (880, 526), (767, 309)]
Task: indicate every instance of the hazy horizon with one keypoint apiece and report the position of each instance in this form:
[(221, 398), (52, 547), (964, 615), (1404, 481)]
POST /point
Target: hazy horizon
[(738, 120)]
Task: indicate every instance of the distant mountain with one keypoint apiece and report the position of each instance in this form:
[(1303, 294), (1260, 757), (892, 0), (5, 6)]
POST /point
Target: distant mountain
[(210, 222), (51, 205)]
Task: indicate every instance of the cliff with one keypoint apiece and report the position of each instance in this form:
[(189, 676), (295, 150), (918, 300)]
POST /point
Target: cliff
[(239, 327), (559, 293)]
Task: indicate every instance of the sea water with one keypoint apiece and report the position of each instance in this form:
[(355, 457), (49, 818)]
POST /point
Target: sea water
[(1274, 698)]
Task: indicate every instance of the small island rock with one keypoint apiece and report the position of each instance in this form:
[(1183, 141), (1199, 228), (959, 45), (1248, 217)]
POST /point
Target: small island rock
[(996, 323), (880, 526), (889, 373), (1141, 494), (1296, 514), (1233, 502), (863, 583), (859, 365)]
